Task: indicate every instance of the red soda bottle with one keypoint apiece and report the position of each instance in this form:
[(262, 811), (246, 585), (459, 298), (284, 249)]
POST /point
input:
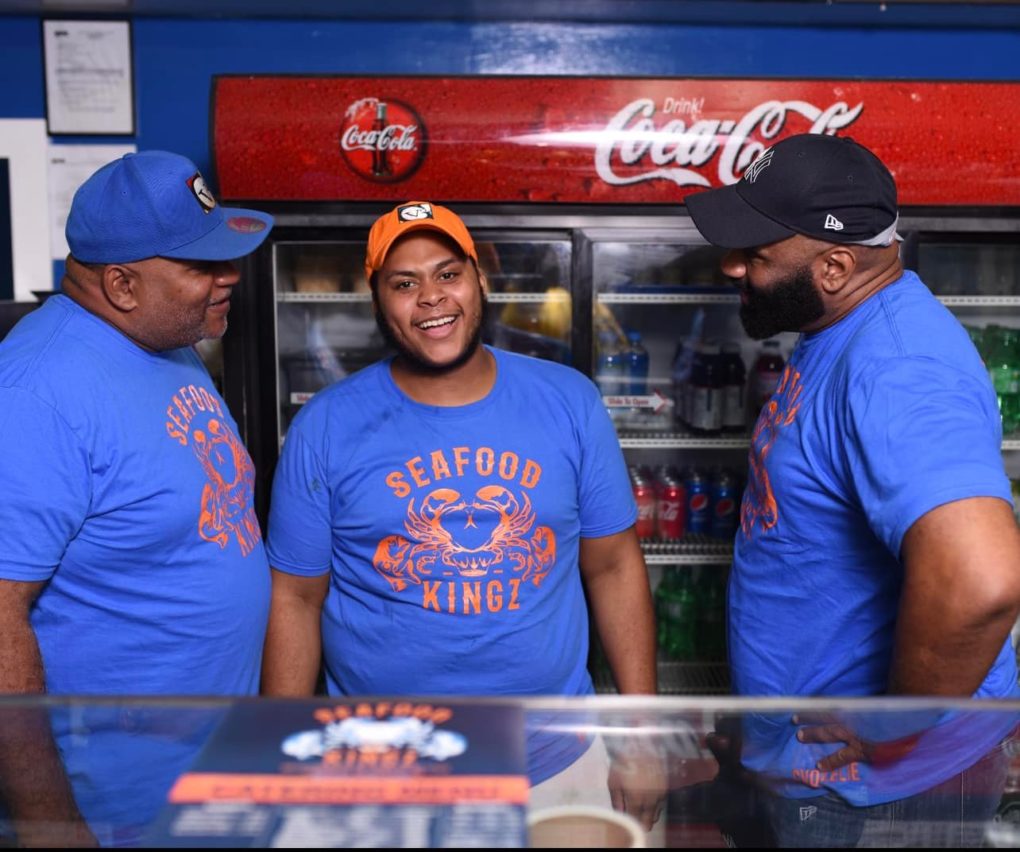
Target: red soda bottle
[(672, 509), (644, 496)]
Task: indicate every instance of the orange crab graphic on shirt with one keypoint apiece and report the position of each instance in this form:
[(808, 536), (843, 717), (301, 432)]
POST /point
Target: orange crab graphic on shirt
[(227, 508), (514, 542), (759, 508)]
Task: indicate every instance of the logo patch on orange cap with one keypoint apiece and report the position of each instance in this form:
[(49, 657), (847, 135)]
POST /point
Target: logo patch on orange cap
[(415, 212)]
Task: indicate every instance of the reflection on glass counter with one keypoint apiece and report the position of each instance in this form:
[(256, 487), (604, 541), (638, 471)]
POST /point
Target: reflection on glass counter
[(446, 771)]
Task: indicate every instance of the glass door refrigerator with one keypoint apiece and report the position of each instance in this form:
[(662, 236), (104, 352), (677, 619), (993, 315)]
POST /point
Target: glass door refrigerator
[(573, 192)]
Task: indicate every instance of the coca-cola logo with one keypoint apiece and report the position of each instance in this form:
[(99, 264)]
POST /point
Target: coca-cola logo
[(633, 149), (669, 510), (382, 140)]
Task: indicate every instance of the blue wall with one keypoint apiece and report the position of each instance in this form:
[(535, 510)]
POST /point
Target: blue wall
[(175, 58)]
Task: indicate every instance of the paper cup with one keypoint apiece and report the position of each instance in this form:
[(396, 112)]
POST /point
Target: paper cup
[(583, 826)]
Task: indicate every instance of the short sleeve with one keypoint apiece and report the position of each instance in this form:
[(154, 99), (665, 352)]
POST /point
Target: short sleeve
[(921, 434), (606, 498), (45, 489), (299, 540)]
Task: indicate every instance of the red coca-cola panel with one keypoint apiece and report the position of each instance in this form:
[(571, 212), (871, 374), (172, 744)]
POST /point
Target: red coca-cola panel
[(630, 140)]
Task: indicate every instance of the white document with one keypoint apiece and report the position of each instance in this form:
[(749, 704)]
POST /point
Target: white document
[(69, 167), (23, 145), (88, 77)]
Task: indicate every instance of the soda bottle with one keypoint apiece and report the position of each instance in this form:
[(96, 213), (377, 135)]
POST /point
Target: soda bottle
[(671, 519), (682, 361), (609, 371), (723, 499), (711, 609), (1004, 369), (679, 607), (661, 598), (704, 390), (380, 157), (636, 358), (697, 516), (768, 369), (734, 383), (644, 496)]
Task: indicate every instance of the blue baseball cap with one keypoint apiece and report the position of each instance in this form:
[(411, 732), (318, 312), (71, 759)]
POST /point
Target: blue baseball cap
[(156, 204)]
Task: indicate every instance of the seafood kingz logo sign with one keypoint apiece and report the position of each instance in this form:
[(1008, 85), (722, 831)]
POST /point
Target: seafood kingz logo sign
[(634, 148), (467, 548), (382, 140), (377, 737)]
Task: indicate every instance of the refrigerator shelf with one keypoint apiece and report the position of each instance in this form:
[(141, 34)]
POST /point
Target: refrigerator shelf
[(700, 678), (324, 297), (733, 298), (980, 301), (727, 298), (692, 549), (686, 440), (527, 298), (679, 678)]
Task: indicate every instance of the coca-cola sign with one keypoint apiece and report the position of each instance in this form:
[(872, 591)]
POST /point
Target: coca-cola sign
[(679, 150), (382, 140), (601, 141)]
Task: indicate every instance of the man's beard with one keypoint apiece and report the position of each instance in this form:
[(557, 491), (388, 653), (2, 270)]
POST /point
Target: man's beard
[(788, 305), (416, 363)]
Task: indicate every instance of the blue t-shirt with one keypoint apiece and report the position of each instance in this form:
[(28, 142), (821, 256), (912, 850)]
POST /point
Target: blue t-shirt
[(877, 419), (134, 503), (452, 533)]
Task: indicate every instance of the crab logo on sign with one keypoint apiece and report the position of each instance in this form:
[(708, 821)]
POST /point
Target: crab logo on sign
[(382, 141)]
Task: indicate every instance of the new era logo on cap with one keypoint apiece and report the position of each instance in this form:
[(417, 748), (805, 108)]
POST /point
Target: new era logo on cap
[(832, 223), (415, 212)]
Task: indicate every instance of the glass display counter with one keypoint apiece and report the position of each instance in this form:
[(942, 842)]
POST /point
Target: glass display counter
[(454, 772)]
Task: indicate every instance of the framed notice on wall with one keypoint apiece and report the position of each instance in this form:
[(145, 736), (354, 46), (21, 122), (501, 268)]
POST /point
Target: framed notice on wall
[(89, 84)]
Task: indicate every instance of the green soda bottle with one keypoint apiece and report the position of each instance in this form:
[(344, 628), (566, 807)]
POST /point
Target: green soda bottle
[(662, 595), (680, 605), (711, 636), (1004, 369)]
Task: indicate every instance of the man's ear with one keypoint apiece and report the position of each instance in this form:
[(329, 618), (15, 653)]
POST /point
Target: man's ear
[(120, 285), (837, 268)]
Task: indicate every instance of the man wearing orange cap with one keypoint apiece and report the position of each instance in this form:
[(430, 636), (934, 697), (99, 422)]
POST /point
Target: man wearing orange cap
[(443, 513)]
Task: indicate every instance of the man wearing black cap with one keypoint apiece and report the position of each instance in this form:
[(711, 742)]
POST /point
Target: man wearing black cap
[(131, 562), (877, 552)]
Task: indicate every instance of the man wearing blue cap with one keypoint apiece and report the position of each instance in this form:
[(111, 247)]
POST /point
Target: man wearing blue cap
[(131, 561)]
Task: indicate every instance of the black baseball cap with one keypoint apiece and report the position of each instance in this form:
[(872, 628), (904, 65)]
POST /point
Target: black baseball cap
[(827, 187)]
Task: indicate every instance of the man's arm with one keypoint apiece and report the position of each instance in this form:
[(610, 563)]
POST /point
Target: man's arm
[(293, 652), (32, 778), (961, 596), (616, 581)]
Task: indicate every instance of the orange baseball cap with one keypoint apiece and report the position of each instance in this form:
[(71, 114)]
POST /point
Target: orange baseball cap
[(414, 216)]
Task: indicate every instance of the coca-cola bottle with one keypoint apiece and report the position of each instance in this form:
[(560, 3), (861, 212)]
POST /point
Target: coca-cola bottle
[(765, 375), (380, 157)]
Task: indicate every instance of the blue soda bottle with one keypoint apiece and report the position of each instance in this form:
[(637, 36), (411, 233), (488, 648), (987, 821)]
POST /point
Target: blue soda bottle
[(636, 358)]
